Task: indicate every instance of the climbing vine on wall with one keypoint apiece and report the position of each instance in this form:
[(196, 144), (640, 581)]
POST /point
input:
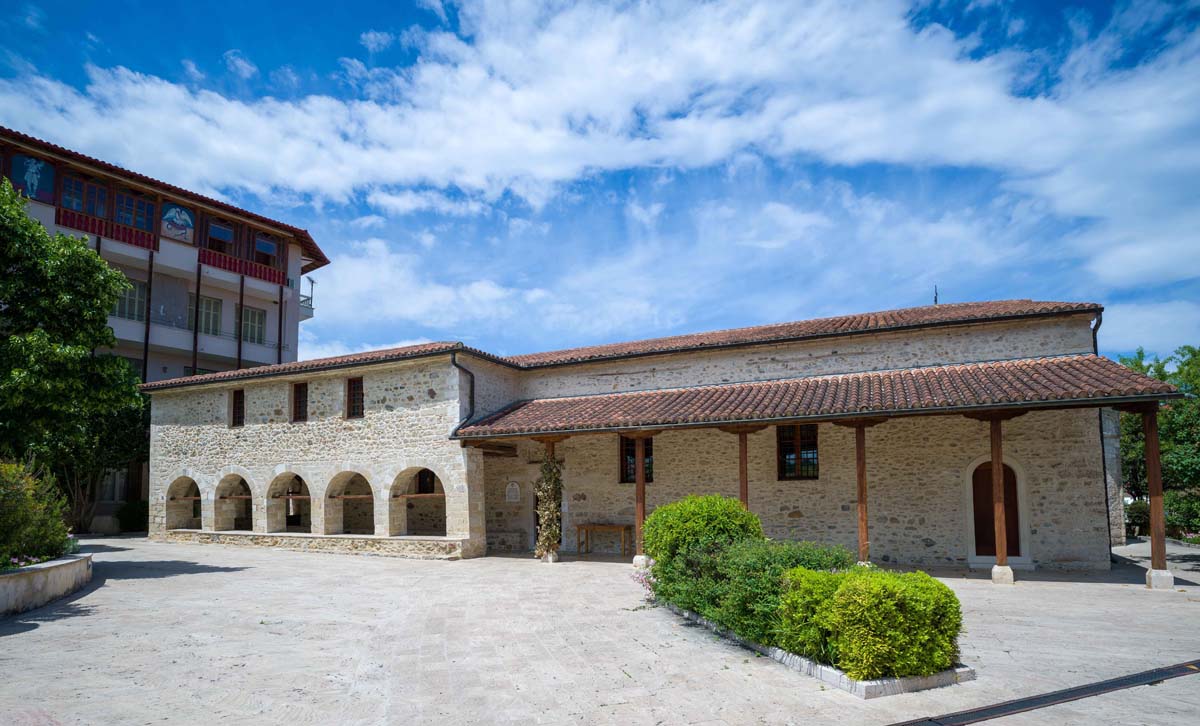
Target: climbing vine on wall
[(549, 494)]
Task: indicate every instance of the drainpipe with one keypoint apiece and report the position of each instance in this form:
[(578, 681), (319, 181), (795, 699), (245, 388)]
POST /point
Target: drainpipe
[(1100, 428), (470, 394)]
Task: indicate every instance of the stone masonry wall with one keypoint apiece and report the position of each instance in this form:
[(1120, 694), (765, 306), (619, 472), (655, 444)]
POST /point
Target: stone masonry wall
[(938, 346), (918, 472), (411, 408)]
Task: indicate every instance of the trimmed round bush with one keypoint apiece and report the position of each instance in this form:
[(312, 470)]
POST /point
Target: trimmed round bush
[(805, 593), (710, 521), (886, 624), (751, 579)]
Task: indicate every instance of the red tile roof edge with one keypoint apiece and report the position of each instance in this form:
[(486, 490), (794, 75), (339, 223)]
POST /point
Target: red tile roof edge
[(302, 236), (1147, 389)]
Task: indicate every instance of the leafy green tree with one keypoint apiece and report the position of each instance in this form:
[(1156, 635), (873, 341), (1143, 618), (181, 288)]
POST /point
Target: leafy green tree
[(1178, 424), (63, 403)]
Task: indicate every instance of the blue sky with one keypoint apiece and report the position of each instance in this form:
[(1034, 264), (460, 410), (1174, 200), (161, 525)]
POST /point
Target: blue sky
[(524, 176)]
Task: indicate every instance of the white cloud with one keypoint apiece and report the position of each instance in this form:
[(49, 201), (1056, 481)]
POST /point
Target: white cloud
[(513, 104), (285, 77), (192, 71), (369, 221), (313, 346), (376, 40), (1159, 327), (408, 202), (239, 65), (435, 7)]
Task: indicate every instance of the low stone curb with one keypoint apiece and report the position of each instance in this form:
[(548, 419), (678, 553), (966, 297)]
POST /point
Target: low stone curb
[(412, 547), (36, 585), (830, 675), (1181, 543)]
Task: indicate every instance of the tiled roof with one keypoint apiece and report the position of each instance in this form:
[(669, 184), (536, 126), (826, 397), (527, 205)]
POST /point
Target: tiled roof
[(1036, 382), (311, 249), (930, 315), (317, 364)]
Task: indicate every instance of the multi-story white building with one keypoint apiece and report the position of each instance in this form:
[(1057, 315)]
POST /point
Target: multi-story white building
[(214, 287)]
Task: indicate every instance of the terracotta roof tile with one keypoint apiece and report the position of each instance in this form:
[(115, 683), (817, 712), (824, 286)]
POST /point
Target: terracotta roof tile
[(315, 364), (1016, 383), (929, 315), (305, 239)]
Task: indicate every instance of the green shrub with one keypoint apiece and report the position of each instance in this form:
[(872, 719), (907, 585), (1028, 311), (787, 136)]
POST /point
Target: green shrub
[(751, 578), (711, 521), (1137, 514), (685, 538), (134, 516), (1181, 508), (805, 593), (871, 623), (887, 624), (31, 518)]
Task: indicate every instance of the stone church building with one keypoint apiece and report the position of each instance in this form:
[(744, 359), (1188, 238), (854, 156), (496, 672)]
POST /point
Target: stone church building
[(974, 434)]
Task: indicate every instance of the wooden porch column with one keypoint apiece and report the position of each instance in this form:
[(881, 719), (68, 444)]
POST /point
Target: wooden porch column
[(860, 466), (998, 518), (743, 432), (639, 478), (1158, 530)]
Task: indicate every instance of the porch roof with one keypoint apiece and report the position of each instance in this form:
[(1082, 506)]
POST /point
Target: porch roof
[(1058, 382)]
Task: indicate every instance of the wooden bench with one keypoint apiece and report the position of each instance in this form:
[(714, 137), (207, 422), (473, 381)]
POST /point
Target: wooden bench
[(583, 536)]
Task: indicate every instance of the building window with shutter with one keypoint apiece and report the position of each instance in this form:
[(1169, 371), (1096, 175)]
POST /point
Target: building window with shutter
[(132, 303), (299, 402), (238, 414), (254, 325), (796, 452), (210, 314), (220, 237), (628, 455), (354, 398)]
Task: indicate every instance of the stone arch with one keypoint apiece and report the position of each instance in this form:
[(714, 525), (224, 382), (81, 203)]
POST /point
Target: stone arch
[(349, 504), (1024, 559), (289, 505), (417, 503), (233, 504), (183, 505)]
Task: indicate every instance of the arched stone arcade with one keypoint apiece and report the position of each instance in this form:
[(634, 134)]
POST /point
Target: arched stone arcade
[(184, 506), (350, 505), (233, 505), (289, 505), (417, 504)]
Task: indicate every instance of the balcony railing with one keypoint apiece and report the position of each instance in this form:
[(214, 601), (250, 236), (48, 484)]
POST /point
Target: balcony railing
[(64, 217), (220, 260)]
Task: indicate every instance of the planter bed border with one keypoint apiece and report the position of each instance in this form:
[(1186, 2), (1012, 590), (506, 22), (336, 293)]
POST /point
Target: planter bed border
[(830, 675), (33, 586)]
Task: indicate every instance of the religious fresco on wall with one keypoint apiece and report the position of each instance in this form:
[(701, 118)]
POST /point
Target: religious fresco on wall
[(33, 177), (178, 223)]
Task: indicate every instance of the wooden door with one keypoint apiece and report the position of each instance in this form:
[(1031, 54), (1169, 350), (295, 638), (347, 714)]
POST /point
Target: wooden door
[(985, 523)]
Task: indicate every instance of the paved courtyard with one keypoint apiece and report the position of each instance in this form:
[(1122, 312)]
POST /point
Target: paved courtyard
[(171, 633)]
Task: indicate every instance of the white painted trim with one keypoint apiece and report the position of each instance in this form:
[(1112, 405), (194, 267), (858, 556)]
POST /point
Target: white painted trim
[(974, 561)]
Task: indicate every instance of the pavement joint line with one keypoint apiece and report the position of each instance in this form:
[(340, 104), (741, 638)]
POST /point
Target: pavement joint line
[(1030, 703)]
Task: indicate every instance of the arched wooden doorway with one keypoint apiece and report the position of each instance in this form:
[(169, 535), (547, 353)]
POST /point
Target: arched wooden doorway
[(984, 514)]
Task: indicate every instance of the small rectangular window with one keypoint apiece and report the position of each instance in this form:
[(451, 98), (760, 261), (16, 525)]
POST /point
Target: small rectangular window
[(628, 453), (796, 452), (238, 415), (72, 194), (266, 250), (132, 303), (134, 210), (299, 402), (254, 325), (220, 237), (210, 314), (354, 398)]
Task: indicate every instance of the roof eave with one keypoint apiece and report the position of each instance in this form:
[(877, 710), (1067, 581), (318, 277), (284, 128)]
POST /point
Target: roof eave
[(1049, 404)]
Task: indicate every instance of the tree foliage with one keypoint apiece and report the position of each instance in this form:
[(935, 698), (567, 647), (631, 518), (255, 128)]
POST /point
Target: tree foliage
[(549, 507), (64, 404), (1178, 424)]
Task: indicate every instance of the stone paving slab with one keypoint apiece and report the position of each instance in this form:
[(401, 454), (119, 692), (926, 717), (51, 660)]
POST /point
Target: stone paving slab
[(181, 633)]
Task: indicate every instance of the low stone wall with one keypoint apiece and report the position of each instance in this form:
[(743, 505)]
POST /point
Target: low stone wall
[(426, 548), (34, 586)]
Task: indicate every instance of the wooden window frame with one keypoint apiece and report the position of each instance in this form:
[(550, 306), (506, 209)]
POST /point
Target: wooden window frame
[(248, 326), (210, 319), (626, 460), (140, 206), (268, 260), (799, 438), (356, 400), (300, 402), (228, 248), (237, 408)]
